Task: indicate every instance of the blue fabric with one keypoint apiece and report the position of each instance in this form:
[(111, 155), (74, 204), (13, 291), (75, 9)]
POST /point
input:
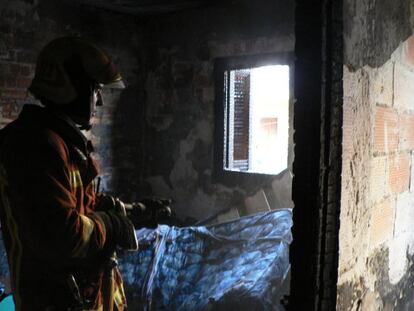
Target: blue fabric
[(240, 265)]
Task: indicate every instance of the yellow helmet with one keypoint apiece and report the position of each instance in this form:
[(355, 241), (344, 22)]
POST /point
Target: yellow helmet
[(54, 81)]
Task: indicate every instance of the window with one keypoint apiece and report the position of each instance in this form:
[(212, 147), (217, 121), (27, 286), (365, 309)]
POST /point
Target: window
[(253, 105)]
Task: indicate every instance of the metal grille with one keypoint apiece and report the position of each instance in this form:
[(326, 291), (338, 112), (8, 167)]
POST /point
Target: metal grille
[(237, 119), (241, 97)]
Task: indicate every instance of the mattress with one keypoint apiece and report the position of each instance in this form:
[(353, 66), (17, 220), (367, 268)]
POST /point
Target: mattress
[(239, 265)]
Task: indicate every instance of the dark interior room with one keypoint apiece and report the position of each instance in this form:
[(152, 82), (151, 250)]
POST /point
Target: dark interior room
[(206, 155)]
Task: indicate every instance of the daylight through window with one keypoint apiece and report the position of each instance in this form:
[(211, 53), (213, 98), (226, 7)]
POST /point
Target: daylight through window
[(256, 131)]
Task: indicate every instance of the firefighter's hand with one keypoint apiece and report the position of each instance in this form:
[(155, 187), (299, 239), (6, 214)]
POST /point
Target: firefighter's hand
[(119, 229), (149, 212)]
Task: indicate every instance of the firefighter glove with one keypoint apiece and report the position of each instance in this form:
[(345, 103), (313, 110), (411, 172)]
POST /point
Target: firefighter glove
[(149, 212), (120, 230)]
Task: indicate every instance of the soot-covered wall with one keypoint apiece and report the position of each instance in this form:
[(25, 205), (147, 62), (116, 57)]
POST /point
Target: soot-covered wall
[(166, 138), (156, 136), (377, 215)]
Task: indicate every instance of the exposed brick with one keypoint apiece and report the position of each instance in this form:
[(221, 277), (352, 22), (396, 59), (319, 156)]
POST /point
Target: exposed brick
[(403, 90), (399, 173), (382, 222), (26, 56), (407, 132), (15, 69), (23, 83), (385, 130), (10, 81), (14, 94), (4, 68), (10, 110), (26, 71)]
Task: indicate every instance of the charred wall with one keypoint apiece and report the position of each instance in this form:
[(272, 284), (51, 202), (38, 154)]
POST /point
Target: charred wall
[(167, 141), (156, 136)]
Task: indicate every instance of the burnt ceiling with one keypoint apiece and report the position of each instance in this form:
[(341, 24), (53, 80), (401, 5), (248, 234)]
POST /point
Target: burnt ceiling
[(145, 7)]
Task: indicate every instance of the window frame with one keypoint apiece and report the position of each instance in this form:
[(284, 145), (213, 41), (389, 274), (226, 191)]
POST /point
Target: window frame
[(221, 65)]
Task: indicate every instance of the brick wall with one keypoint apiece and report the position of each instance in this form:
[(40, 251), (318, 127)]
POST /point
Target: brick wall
[(377, 198), (15, 77), (393, 140), (25, 27), (16, 57)]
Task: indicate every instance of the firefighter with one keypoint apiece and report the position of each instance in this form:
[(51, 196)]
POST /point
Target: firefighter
[(59, 234)]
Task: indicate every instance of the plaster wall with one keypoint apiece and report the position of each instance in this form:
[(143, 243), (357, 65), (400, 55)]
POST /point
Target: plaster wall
[(377, 207)]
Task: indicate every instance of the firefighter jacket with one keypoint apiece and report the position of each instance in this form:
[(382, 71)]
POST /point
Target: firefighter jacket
[(46, 212)]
